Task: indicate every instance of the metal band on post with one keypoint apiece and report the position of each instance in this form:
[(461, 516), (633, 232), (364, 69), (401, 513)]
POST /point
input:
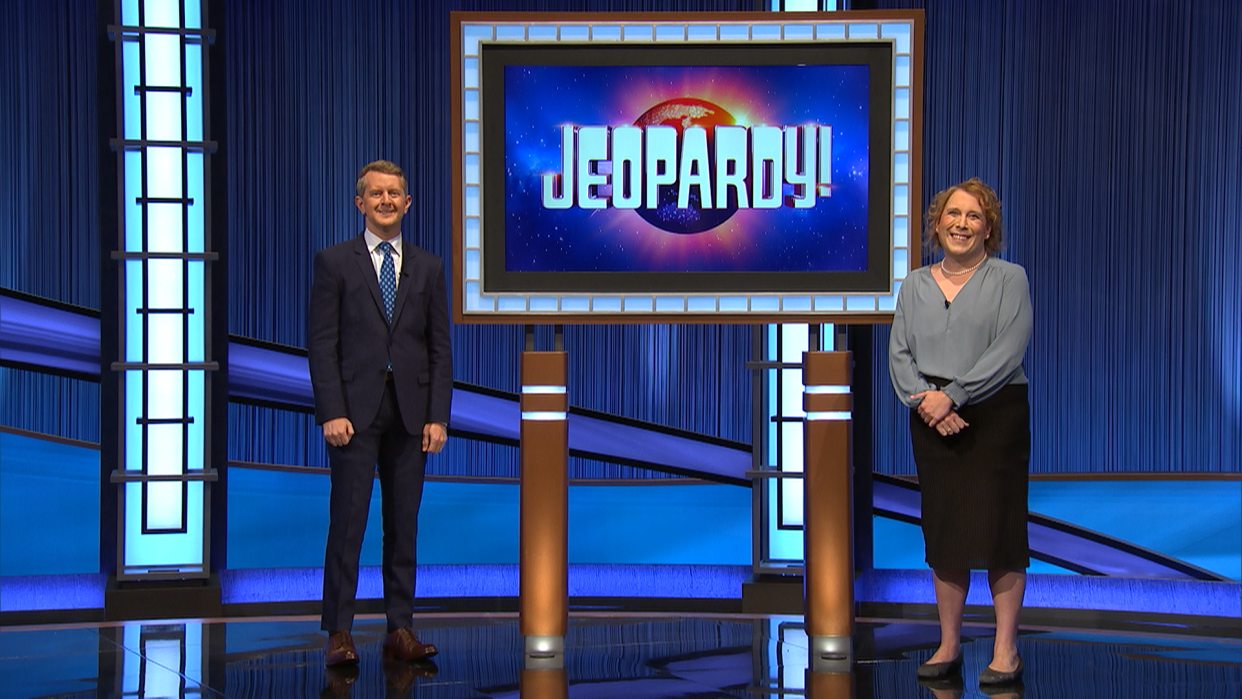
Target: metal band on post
[(827, 507), (543, 604)]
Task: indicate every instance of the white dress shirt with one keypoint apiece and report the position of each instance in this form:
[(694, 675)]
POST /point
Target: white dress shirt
[(377, 256)]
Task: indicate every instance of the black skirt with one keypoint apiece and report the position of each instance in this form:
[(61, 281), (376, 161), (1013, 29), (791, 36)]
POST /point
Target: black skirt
[(975, 484)]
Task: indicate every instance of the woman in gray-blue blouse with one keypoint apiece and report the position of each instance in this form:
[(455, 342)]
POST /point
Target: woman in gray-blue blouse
[(959, 333)]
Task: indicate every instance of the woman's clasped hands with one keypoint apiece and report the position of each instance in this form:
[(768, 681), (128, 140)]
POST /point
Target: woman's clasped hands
[(937, 411)]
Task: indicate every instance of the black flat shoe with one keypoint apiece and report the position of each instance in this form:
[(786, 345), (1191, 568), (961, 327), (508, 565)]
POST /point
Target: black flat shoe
[(996, 677), (936, 671)]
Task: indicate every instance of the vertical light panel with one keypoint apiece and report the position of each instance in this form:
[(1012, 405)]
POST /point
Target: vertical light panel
[(795, 340), (164, 248), (780, 507)]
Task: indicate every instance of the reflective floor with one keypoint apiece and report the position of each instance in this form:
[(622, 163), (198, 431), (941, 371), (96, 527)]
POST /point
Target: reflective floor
[(628, 656)]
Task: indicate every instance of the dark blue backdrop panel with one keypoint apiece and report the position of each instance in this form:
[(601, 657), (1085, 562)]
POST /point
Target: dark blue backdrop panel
[(1110, 132), (53, 405), (49, 193), (49, 155)]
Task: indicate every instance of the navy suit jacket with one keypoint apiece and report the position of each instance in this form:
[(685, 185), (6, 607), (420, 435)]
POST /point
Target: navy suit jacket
[(351, 341)]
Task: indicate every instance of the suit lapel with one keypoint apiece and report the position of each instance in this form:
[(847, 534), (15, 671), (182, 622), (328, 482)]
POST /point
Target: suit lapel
[(407, 279), (367, 269)]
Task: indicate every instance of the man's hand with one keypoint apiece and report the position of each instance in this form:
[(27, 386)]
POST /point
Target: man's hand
[(434, 437), (935, 406), (338, 431)]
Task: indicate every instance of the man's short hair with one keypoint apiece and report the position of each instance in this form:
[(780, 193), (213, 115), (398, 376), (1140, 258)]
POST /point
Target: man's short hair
[(383, 167)]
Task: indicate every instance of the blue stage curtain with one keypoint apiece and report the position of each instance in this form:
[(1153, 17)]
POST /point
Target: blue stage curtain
[(1110, 130), (49, 154), (49, 199), (319, 88)]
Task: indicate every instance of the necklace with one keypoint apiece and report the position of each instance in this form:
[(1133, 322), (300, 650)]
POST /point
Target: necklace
[(959, 273)]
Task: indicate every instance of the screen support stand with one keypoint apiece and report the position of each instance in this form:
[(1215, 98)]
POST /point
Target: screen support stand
[(828, 498), (543, 594)]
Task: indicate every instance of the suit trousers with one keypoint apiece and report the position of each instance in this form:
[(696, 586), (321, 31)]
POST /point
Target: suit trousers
[(401, 462)]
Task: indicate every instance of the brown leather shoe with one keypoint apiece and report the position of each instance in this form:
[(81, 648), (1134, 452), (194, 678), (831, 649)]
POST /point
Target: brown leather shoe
[(339, 650), (404, 645)]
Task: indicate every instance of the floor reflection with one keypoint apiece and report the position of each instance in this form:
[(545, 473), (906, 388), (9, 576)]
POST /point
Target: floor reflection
[(629, 657)]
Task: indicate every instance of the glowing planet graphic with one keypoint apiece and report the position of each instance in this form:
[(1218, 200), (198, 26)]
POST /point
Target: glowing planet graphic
[(681, 113)]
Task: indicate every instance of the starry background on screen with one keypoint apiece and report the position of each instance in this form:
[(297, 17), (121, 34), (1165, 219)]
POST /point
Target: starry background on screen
[(831, 236)]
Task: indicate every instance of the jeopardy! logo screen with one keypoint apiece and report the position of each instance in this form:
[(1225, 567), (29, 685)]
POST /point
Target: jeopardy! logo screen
[(687, 167)]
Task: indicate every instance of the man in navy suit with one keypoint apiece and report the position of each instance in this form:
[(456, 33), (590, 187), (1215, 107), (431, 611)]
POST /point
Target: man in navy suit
[(381, 369)]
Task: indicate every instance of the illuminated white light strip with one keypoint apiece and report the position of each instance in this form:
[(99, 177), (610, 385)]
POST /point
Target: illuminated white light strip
[(543, 416), (543, 389), (816, 390), (172, 550), (832, 415), (165, 395)]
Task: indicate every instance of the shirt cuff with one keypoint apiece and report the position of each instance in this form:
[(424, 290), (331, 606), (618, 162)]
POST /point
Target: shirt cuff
[(956, 393)]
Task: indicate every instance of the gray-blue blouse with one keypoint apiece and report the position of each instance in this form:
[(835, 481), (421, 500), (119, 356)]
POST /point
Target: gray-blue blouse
[(977, 341)]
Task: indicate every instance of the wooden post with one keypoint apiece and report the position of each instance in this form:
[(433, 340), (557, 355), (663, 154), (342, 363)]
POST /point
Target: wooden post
[(543, 684), (543, 602), (828, 547)]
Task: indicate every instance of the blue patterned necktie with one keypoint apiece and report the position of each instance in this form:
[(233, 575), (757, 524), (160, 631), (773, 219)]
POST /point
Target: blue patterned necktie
[(388, 279)]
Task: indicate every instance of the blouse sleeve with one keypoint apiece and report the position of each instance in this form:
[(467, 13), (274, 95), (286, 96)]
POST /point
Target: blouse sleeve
[(1004, 354), (902, 368)]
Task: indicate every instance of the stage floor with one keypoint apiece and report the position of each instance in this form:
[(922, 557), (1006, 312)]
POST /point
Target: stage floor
[(632, 656)]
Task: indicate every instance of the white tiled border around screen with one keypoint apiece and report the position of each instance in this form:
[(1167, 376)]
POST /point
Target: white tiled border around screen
[(469, 278)]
